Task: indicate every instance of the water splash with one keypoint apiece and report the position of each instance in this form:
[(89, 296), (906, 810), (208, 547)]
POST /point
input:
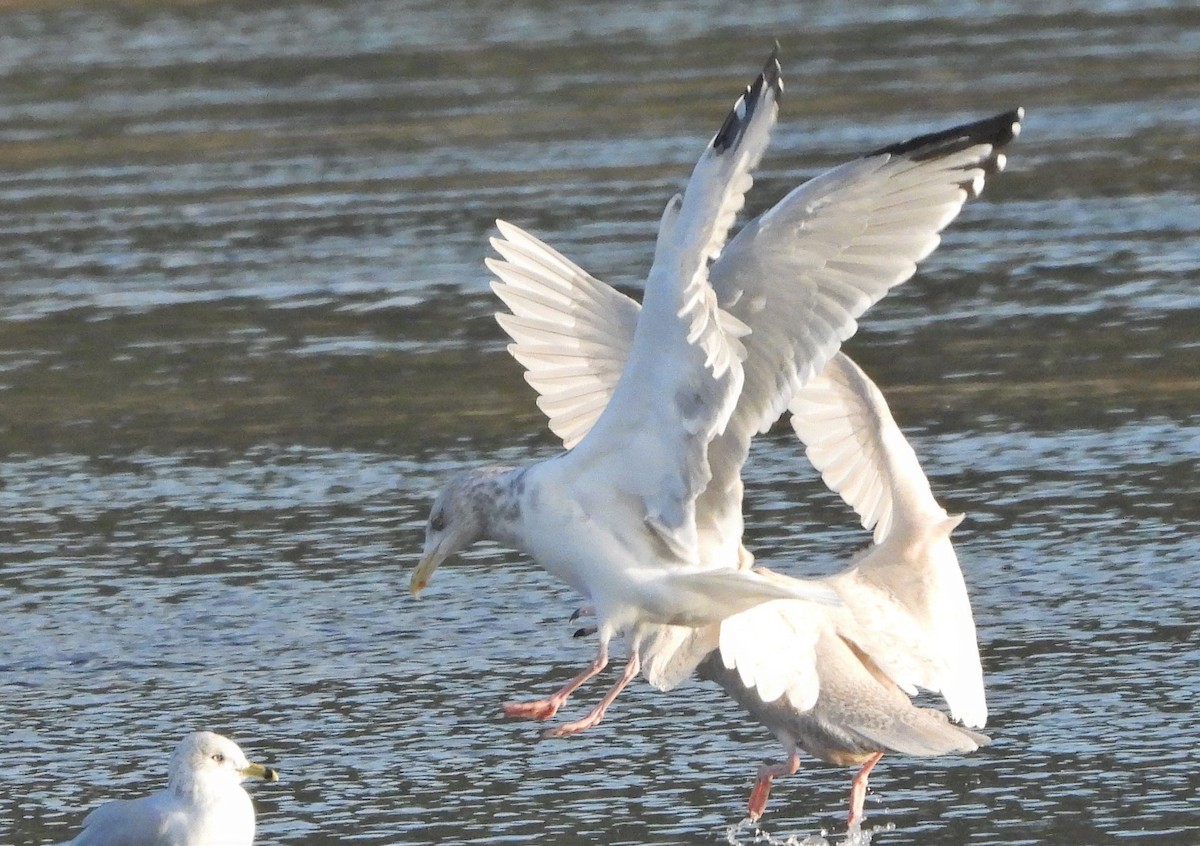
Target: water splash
[(748, 832)]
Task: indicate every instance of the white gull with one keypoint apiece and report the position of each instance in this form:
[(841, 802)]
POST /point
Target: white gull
[(643, 513), (832, 681), (204, 803), (637, 515), (836, 682)]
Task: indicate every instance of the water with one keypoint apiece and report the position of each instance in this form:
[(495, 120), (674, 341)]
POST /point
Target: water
[(245, 330)]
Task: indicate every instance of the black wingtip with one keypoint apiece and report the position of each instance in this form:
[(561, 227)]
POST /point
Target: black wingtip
[(772, 72), (739, 117), (997, 130), (994, 132)]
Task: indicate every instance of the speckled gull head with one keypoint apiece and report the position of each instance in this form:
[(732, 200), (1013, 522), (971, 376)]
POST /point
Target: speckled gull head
[(474, 505)]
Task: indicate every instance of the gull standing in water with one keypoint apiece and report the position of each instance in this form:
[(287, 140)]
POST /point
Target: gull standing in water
[(836, 682), (204, 803)]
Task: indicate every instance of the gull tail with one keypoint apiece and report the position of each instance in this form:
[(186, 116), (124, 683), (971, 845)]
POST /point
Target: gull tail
[(698, 599)]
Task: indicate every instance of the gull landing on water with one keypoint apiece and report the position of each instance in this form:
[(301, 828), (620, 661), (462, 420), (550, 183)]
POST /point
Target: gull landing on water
[(836, 682), (657, 403), (832, 681), (639, 515)]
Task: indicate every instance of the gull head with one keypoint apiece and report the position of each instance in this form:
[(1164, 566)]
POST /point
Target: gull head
[(474, 505), (206, 762)]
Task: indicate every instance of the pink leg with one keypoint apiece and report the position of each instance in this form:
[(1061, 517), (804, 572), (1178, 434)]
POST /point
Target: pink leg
[(858, 790), (762, 787), (544, 709), (597, 713)]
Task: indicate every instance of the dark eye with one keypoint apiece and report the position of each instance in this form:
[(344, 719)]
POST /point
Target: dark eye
[(219, 758), (437, 522)]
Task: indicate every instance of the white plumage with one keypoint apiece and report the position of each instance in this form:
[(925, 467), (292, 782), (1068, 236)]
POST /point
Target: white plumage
[(791, 285), (204, 803), (623, 516), (657, 403)]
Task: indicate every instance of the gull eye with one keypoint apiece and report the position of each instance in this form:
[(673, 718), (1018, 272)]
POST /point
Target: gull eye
[(437, 522), (219, 758)]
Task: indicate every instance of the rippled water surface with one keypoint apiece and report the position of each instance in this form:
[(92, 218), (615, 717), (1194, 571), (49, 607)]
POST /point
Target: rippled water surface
[(245, 330)]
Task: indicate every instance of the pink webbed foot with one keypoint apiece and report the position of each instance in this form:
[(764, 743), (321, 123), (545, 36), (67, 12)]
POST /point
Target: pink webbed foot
[(757, 804), (568, 729), (540, 709), (758, 797), (597, 714), (544, 709)]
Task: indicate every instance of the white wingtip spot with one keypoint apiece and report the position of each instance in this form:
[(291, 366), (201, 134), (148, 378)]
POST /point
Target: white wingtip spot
[(1016, 127), (1001, 161), (977, 185)]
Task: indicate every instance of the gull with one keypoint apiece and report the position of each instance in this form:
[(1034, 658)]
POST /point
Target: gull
[(642, 514), (204, 803), (833, 681), (836, 682)]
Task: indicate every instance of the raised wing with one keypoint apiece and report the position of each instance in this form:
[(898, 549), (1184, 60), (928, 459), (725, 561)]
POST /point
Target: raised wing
[(853, 441), (801, 274), (826, 252), (909, 603), (915, 623), (571, 331), (683, 374)]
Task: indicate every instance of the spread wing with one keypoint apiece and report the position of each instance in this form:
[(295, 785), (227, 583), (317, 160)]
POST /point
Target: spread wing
[(906, 593), (915, 622), (683, 372), (801, 274), (853, 441), (798, 277), (570, 331)]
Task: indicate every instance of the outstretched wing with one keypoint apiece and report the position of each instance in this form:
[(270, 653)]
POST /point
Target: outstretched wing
[(853, 441), (683, 373), (798, 277), (908, 600), (570, 331), (801, 274)]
